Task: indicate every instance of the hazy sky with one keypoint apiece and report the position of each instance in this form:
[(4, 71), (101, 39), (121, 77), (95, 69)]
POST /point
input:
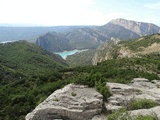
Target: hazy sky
[(77, 12)]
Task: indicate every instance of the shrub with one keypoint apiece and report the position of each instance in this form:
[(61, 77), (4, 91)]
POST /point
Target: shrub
[(141, 104), (103, 89), (123, 114), (120, 114), (147, 117), (73, 94), (56, 99)]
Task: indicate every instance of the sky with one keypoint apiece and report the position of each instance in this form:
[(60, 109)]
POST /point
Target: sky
[(77, 12)]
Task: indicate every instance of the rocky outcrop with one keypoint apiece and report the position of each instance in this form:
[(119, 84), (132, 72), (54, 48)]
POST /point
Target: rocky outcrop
[(73, 102), (78, 102), (153, 111), (114, 49), (102, 51), (140, 88)]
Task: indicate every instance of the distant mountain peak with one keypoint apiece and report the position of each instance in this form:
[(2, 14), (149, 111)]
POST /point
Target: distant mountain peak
[(126, 21), (140, 28)]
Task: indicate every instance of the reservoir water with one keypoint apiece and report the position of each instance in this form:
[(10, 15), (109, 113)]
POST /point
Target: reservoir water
[(64, 54)]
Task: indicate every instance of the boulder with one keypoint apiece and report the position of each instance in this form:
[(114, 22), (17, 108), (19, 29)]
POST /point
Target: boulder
[(121, 95), (139, 80), (73, 102), (140, 88), (99, 117)]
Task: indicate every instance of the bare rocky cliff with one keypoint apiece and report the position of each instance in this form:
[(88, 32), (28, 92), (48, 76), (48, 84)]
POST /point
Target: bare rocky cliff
[(139, 28), (134, 48)]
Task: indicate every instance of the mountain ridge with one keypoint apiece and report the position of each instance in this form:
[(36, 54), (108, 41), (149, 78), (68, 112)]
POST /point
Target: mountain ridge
[(133, 48), (140, 28), (92, 37)]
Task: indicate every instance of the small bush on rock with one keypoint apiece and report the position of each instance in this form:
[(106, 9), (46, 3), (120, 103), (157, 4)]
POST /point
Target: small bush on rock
[(123, 114), (141, 104), (103, 89), (147, 117)]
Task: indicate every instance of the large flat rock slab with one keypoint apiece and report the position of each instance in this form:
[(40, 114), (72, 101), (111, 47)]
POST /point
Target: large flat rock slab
[(73, 102), (140, 88)]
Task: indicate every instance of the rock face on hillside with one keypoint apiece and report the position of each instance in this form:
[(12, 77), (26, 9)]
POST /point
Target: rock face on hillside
[(101, 52), (82, 38), (139, 28), (127, 49), (53, 42), (140, 88), (73, 102), (128, 29), (122, 94), (151, 111)]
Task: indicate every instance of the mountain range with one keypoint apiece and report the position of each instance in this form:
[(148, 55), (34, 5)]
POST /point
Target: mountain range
[(13, 33), (83, 38), (91, 37)]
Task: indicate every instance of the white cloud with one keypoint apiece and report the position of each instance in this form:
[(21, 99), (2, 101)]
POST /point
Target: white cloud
[(55, 12), (65, 12), (155, 6)]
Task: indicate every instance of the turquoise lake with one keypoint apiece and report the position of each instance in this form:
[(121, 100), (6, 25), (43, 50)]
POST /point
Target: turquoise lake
[(64, 54)]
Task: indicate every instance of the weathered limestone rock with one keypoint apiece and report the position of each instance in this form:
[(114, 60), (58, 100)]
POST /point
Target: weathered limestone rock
[(73, 102), (99, 117), (140, 88), (78, 102), (153, 111), (121, 95), (139, 80)]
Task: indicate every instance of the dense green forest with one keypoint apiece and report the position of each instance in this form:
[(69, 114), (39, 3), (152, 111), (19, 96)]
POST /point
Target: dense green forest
[(29, 74)]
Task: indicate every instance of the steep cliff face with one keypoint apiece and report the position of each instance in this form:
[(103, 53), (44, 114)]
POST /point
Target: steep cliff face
[(86, 38), (103, 51), (134, 48), (139, 28), (128, 29), (83, 38), (53, 42)]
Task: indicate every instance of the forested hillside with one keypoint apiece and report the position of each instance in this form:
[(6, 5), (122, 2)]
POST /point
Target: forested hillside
[(24, 67)]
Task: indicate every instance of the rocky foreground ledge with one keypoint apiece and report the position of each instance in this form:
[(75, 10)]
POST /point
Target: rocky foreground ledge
[(73, 102), (78, 102)]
